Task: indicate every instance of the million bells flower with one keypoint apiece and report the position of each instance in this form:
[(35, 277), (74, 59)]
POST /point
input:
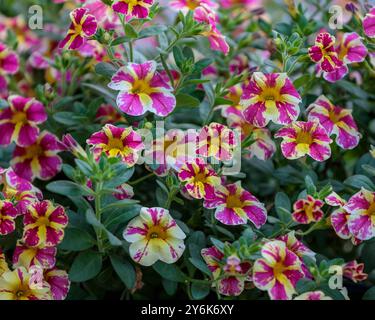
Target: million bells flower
[(307, 210), (369, 23), (83, 26), (142, 89), (117, 142), (8, 214), (305, 138), (19, 122), (270, 97), (278, 271), (154, 235), (9, 64), (44, 224), (335, 120), (133, 8)]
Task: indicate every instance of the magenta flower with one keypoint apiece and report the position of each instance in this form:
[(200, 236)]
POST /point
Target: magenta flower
[(351, 48), (278, 271), (354, 271), (117, 142), (270, 97), (83, 26), (235, 205), (369, 23), (9, 64), (186, 5), (142, 89), (124, 191), (39, 160), (361, 209), (27, 257), (313, 295), (324, 53), (335, 120), (229, 274), (305, 138), (59, 283), (8, 214), (44, 224), (133, 8), (19, 122), (307, 210), (154, 235)]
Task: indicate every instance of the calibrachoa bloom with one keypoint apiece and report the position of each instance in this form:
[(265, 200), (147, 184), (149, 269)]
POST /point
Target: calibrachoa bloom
[(199, 179), (83, 26), (313, 295), (73, 146), (278, 271), (229, 274), (19, 122), (192, 4), (124, 191), (307, 210), (305, 138), (335, 120), (16, 285), (324, 52), (369, 23), (133, 8), (154, 235), (270, 97), (235, 205), (361, 209), (8, 214), (27, 257), (216, 140), (3, 263), (9, 64), (117, 142), (59, 283), (142, 89), (354, 271), (108, 114), (39, 160), (44, 224)]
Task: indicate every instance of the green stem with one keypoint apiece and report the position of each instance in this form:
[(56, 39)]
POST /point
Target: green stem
[(171, 196), (133, 183), (98, 212)]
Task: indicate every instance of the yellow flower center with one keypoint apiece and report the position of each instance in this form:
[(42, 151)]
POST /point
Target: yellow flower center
[(43, 221), (192, 4), (115, 143), (19, 117), (371, 210), (78, 28), (233, 201), (156, 232), (132, 2), (141, 86), (200, 177), (334, 117), (270, 94), (304, 137), (278, 269), (168, 150), (34, 151)]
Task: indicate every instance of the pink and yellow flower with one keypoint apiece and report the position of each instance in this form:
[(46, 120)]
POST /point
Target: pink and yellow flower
[(354, 271), (117, 142), (3, 263), (186, 5), (351, 48), (305, 138), (19, 122), (313, 295), (361, 209), (133, 8), (229, 274), (25, 256), (278, 271), (58, 282), (73, 146), (108, 114), (216, 140), (154, 235), (8, 214), (44, 224), (17, 285), (335, 120), (324, 52), (83, 26), (9, 64), (368, 23), (142, 89), (235, 205), (270, 97), (39, 160), (307, 210), (199, 179), (124, 191)]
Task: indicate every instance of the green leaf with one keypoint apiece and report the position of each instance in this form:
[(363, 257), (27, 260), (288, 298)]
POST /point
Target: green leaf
[(66, 118), (124, 270), (121, 175), (186, 101), (85, 266), (152, 31), (69, 188), (76, 240), (359, 181), (200, 265), (310, 186), (199, 290), (304, 285), (169, 271), (105, 69), (84, 167), (119, 204), (282, 201), (120, 40), (178, 56), (170, 287), (369, 294), (130, 31)]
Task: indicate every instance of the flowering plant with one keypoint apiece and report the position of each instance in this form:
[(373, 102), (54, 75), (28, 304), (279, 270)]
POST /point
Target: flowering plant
[(199, 149)]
